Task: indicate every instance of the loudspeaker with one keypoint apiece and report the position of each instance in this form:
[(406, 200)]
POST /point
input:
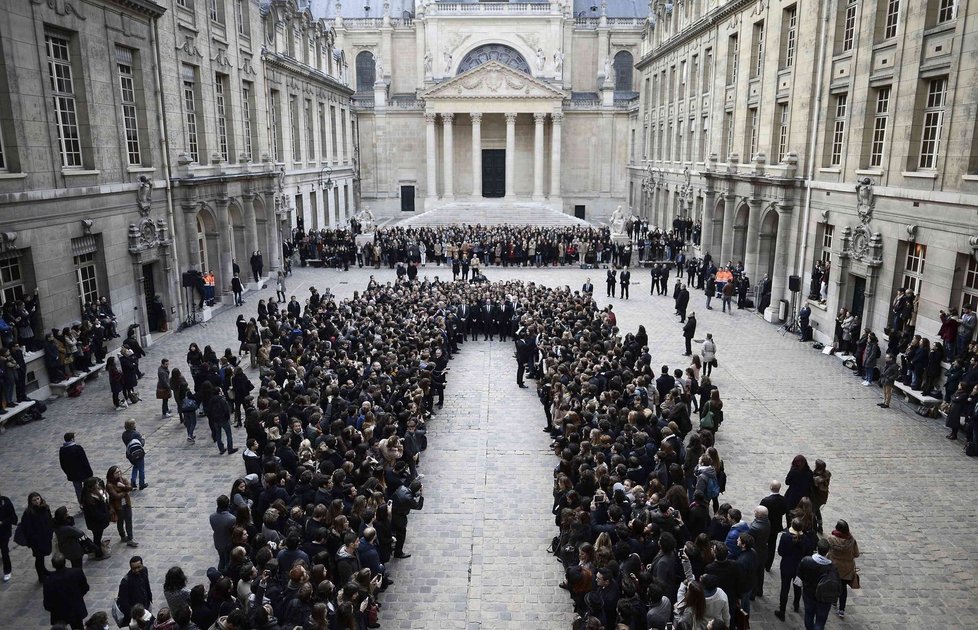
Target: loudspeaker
[(794, 284), (188, 279)]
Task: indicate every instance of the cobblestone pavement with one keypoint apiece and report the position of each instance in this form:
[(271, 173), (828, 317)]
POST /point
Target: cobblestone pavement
[(478, 547)]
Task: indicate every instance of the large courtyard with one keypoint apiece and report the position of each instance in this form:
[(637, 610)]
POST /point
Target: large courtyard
[(479, 546)]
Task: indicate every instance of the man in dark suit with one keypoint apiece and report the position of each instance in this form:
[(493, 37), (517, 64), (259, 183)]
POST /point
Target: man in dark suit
[(624, 278), (663, 280), (682, 302), (485, 318), (463, 318), (524, 350), (506, 323), (134, 588), (611, 280), (74, 463), (64, 594), (222, 522), (654, 279), (588, 288), (777, 509), (688, 331), (665, 383)]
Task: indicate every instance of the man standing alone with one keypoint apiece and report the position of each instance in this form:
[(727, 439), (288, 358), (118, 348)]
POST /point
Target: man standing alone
[(688, 331), (624, 278), (74, 463)]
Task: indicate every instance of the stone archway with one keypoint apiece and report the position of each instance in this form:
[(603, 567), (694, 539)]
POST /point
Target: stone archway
[(266, 228), (739, 251), (501, 53), (718, 235), (207, 239), (767, 245)]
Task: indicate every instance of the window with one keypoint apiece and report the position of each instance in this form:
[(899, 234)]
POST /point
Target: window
[(708, 70), (880, 119), (241, 17), (969, 292), (215, 10), (202, 244), (848, 25), (185, 4), (248, 103), (669, 135), (190, 111), (294, 128), (11, 280), (701, 152), (946, 10), (782, 149), (694, 73), (86, 278), (679, 141), (930, 143), (751, 133), (220, 111), (310, 131), (65, 107), (127, 88), (682, 80), (342, 131), (323, 131), (828, 231), (366, 71), (892, 19), (790, 21), (913, 270), (275, 122), (758, 50), (839, 129), (623, 71), (332, 132), (733, 52), (728, 128)]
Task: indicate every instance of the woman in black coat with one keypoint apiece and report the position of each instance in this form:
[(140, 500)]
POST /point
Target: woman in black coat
[(794, 545), (130, 375), (69, 537), (957, 410), (799, 481), (36, 523), (95, 507)]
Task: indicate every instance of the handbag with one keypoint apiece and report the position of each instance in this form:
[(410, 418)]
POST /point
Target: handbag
[(162, 393), (854, 583), (20, 535), (117, 615), (707, 422)]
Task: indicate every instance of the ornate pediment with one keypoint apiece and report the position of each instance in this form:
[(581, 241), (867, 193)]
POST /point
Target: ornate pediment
[(493, 80)]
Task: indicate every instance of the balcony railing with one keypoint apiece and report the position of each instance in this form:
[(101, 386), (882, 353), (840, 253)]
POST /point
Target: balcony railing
[(493, 8)]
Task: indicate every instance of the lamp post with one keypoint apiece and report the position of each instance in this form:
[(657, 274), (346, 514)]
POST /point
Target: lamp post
[(653, 175)]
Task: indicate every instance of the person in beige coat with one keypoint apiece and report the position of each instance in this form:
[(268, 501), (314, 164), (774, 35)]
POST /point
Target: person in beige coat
[(843, 552)]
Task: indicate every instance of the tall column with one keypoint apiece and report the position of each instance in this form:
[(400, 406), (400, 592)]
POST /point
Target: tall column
[(510, 153), (476, 155), (538, 120), (273, 238), (448, 140), (190, 238), (222, 279), (250, 222), (558, 118), (726, 246), (779, 282), (753, 244), (706, 233), (430, 163)]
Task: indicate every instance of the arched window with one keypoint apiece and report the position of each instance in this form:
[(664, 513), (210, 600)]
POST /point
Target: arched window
[(623, 71), (366, 71), (494, 52)]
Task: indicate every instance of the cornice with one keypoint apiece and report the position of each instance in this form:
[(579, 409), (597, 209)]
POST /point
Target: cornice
[(705, 23), (145, 7), (291, 65)]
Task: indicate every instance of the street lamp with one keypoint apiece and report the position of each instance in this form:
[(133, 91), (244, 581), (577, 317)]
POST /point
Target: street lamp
[(325, 181)]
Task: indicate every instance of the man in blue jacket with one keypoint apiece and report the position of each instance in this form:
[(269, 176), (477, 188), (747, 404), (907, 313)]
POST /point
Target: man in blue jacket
[(736, 529), (369, 554)]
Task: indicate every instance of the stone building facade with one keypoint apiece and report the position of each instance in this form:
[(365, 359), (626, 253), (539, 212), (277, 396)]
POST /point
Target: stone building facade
[(515, 101), (800, 132), (140, 139)]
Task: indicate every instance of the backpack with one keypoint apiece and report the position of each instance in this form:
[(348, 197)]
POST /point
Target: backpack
[(829, 586), (712, 488), (135, 451)]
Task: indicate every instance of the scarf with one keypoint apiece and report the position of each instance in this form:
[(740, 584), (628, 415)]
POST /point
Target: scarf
[(839, 534)]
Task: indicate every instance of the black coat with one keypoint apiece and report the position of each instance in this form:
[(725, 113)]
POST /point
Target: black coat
[(64, 595), (690, 328), (217, 409), (134, 589), (777, 508), (39, 528), (74, 462), (8, 518)]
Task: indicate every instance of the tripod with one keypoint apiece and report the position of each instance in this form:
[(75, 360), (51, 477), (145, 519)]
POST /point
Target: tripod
[(791, 324), (193, 318)]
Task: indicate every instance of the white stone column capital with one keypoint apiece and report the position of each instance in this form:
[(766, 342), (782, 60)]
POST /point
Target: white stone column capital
[(558, 117), (446, 119), (510, 118), (476, 118), (539, 118), (430, 118)]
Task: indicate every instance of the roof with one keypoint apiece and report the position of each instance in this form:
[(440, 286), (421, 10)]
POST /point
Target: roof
[(356, 8)]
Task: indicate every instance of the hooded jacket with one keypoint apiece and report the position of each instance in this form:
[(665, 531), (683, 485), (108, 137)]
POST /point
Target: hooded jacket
[(843, 553)]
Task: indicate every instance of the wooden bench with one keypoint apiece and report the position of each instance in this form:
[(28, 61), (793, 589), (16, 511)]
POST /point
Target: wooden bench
[(13, 412), (910, 394), (60, 389)]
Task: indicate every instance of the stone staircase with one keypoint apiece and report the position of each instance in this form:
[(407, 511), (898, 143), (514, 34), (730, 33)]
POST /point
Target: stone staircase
[(493, 213)]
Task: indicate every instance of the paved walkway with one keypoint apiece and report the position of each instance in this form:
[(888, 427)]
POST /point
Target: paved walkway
[(479, 558)]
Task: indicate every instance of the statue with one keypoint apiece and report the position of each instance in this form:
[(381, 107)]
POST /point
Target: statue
[(541, 59), (366, 220), (558, 61), (607, 69), (144, 196), (427, 63), (447, 57), (617, 222), (378, 69), (865, 200)]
